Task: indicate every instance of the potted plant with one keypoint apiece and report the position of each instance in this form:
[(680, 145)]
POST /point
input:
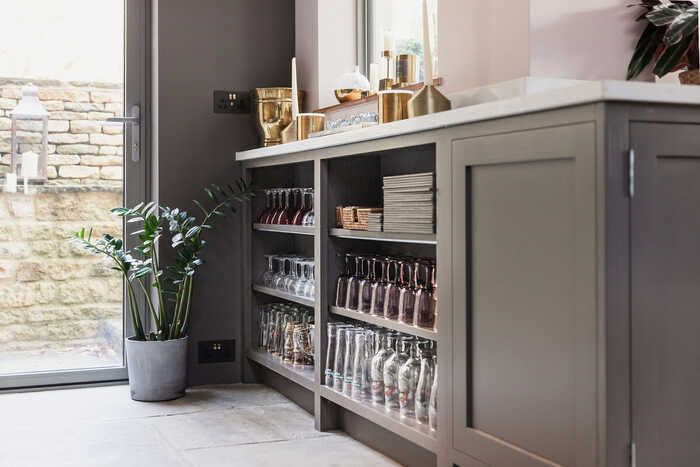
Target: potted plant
[(157, 359), (669, 41)]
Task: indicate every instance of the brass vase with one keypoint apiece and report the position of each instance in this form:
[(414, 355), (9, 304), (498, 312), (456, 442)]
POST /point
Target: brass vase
[(273, 112), (427, 101)]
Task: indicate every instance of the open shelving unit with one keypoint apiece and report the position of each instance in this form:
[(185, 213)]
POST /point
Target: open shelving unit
[(351, 179)]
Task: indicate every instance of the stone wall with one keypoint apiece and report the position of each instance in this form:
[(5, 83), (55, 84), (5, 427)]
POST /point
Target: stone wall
[(80, 149), (50, 291)]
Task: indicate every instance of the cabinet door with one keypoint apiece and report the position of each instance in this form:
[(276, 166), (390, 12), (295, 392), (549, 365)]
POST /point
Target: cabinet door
[(524, 271), (665, 299)]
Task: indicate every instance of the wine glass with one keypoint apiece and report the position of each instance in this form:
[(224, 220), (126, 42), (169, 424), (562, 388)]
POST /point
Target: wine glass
[(379, 284), (269, 273), (407, 294), (353, 294), (365, 286), (309, 217), (310, 287), (268, 206), (298, 216), (424, 308), (280, 272), (274, 208), (391, 299), (341, 289)]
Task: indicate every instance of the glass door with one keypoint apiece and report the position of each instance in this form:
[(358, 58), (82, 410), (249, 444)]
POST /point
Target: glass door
[(62, 311)]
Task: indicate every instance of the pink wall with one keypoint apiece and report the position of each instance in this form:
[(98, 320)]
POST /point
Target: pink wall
[(306, 44)]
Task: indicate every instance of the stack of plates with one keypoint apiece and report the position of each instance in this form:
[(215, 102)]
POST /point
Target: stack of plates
[(409, 203), (374, 221)]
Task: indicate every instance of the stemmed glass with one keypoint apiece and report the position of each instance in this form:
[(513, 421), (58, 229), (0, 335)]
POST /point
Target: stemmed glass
[(353, 294), (310, 286), (424, 308), (309, 217), (269, 274), (280, 272), (276, 207), (365, 288), (283, 216), (407, 294), (303, 278), (379, 284), (302, 210), (268, 207), (341, 289), (391, 299), (291, 280)]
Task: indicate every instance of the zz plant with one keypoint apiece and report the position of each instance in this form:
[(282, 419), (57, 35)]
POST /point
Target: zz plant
[(169, 305)]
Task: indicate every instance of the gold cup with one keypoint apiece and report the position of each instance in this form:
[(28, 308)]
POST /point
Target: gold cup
[(273, 112), (393, 105), (406, 66), (348, 95), (309, 123)]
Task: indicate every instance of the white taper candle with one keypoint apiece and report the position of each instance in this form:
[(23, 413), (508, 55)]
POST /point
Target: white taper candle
[(427, 50), (295, 90)]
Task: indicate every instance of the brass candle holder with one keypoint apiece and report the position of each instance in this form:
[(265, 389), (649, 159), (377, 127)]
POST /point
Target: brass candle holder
[(388, 82), (308, 123), (406, 70), (393, 105)]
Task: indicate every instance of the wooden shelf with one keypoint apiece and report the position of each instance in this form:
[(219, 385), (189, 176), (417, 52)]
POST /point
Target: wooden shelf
[(387, 323), (425, 239), (303, 376), (288, 229), (407, 428), (284, 295)]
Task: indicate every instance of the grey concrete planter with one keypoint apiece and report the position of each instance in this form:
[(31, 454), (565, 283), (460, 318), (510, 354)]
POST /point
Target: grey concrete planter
[(157, 370)]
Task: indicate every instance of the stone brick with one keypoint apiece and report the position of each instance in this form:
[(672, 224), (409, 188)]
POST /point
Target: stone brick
[(14, 249), (82, 106), (6, 232), (58, 126), (62, 94), (7, 269), (63, 159), (30, 271), (14, 92), (85, 126), (99, 115), (109, 150), (101, 160), (8, 104), (78, 171), (111, 173), (113, 129), (31, 125), (66, 115), (77, 149), (68, 138), (22, 136), (37, 148), (107, 96), (51, 172), (52, 106), (116, 107), (102, 139), (21, 206), (5, 123)]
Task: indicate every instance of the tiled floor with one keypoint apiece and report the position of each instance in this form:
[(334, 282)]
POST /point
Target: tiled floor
[(230, 425)]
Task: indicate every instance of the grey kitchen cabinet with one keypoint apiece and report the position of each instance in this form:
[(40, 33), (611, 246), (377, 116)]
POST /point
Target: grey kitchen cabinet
[(575, 285)]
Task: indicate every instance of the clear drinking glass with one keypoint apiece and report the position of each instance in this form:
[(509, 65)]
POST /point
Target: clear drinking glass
[(349, 360), (432, 409), (391, 373), (365, 287), (425, 384), (379, 284), (310, 287), (279, 263), (269, 271), (264, 317), (409, 373), (341, 288), (309, 217), (373, 344), (339, 363), (290, 281), (359, 381), (330, 354), (352, 300), (288, 345), (424, 308), (378, 368), (302, 279), (407, 294), (394, 280)]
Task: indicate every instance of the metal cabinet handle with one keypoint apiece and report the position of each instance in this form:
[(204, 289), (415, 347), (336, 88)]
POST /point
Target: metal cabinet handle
[(135, 120)]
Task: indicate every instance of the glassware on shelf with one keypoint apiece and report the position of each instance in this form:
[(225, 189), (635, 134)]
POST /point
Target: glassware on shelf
[(268, 208), (276, 206), (288, 346), (310, 285), (339, 363), (391, 372), (379, 283), (263, 318), (432, 409), (298, 217), (330, 353), (409, 373), (268, 275), (365, 287), (424, 308), (360, 381), (309, 216), (349, 360), (352, 301), (425, 383), (279, 263), (378, 362), (407, 294), (394, 280), (302, 278), (341, 288)]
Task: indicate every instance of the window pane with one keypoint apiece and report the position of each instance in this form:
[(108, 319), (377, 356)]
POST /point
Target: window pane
[(60, 308)]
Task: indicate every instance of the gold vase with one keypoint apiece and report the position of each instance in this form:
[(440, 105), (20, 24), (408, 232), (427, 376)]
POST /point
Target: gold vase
[(273, 112), (393, 105), (428, 101), (308, 123)]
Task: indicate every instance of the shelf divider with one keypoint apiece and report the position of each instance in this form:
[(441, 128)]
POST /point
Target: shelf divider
[(303, 376), (387, 323), (409, 429), (288, 229), (284, 295), (395, 237)]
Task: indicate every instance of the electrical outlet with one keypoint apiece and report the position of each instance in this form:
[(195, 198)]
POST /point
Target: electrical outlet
[(231, 102), (217, 351)]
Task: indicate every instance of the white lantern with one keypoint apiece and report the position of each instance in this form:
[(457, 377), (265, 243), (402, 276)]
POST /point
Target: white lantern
[(30, 109)]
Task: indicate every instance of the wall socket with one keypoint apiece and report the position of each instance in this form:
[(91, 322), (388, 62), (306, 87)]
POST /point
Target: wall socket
[(231, 102), (217, 351)]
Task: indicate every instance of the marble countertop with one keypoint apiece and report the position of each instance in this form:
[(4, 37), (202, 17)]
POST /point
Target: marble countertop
[(581, 92)]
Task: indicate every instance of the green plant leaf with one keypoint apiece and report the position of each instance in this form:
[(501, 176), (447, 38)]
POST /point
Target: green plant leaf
[(194, 230), (662, 15), (671, 56), (647, 46), (685, 24)]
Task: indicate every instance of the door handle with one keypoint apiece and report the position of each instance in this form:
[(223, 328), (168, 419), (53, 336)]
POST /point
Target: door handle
[(135, 120)]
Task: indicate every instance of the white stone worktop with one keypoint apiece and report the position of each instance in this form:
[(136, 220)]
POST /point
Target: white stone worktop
[(580, 92)]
